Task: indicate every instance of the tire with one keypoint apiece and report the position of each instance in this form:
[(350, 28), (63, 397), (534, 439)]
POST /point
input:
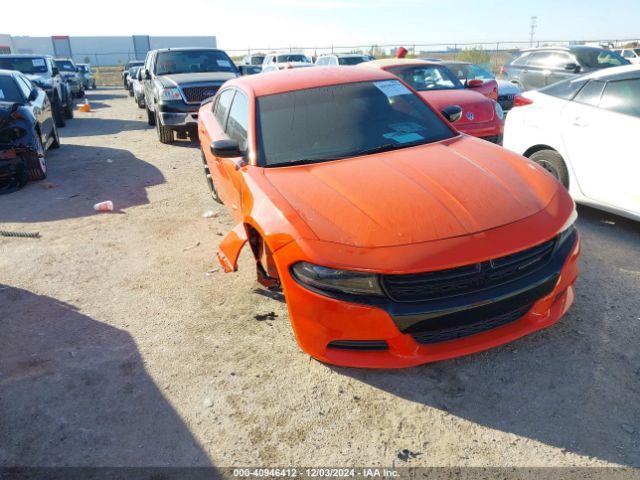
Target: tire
[(58, 113), (36, 165), (151, 118), (81, 94), (553, 163), (56, 138), (207, 174), (93, 85), (68, 109), (140, 102), (130, 92), (165, 134)]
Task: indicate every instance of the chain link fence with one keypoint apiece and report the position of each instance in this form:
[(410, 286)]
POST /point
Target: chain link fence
[(491, 55)]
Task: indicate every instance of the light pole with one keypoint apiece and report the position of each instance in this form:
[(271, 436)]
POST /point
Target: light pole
[(532, 32)]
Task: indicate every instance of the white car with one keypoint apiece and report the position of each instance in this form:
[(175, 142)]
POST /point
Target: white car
[(342, 59), (631, 54), (280, 61), (584, 131)]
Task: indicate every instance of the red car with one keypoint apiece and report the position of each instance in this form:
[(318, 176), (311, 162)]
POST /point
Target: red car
[(476, 77), (396, 240), (482, 117)]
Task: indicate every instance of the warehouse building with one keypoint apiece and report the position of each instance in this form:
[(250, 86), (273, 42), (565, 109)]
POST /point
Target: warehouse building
[(99, 51)]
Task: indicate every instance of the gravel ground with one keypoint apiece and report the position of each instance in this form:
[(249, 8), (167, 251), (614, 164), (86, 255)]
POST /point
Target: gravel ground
[(116, 348)]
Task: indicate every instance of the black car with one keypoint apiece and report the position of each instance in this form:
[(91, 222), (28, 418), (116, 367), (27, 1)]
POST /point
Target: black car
[(44, 73), (538, 67), (176, 81), (27, 130)]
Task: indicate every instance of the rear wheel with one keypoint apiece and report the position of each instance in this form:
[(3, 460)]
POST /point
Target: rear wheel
[(165, 134), (68, 109), (553, 163), (58, 113), (36, 165), (207, 173), (151, 118)]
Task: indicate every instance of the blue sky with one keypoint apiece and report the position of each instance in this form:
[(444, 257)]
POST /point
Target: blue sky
[(284, 23)]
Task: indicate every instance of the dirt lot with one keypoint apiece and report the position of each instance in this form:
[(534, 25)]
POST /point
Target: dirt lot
[(116, 348)]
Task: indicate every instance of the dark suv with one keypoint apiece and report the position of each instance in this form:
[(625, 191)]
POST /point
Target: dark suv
[(176, 81), (539, 67)]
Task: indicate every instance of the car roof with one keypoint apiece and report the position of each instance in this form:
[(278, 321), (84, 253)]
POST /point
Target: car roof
[(395, 62), (24, 55), (624, 72), (302, 78), (344, 55), (8, 73), (186, 49), (566, 48)]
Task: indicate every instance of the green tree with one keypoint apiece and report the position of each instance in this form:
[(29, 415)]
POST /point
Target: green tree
[(474, 55)]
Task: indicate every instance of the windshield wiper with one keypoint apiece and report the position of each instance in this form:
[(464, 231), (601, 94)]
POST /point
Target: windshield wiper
[(386, 147)]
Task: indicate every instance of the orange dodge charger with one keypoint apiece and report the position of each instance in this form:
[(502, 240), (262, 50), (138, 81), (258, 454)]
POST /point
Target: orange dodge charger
[(396, 239)]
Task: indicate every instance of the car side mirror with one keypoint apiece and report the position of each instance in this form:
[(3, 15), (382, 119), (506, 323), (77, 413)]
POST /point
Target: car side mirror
[(33, 95), (475, 83), (55, 71), (572, 67), (452, 113), (226, 149), (147, 74), (139, 76)]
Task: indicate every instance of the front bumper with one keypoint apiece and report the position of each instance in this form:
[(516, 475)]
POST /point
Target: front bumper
[(178, 114), (319, 320), (491, 131)]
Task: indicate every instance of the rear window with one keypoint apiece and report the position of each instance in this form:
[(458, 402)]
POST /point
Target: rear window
[(622, 96), (9, 91), (469, 71), (567, 89), (341, 121), (427, 77), (193, 61), (352, 60), (293, 57), (597, 58), (29, 65)]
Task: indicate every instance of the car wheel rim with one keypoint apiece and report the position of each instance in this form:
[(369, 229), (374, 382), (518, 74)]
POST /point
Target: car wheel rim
[(41, 160), (551, 169)]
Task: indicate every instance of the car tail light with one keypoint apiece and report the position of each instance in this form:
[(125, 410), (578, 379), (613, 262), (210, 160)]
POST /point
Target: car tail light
[(16, 115), (5, 154), (520, 101)]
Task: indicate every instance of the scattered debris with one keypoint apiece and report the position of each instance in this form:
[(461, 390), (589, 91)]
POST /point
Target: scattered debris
[(47, 185), (197, 244), (104, 206), (209, 214), (628, 428), (6, 233), (109, 160), (220, 234), (261, 317), (406, 455), (208, 402), (212, 271)]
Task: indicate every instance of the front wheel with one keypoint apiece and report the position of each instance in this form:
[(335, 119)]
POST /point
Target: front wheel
[(56, 138), (165, 134), (151, 118), (207, 173), (68, 109), (553, 163), (36, 165), (58, 113)]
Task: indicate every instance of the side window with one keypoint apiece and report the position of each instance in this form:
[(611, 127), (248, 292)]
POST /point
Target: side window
[(559, 60), (222, 108), (522, 59), (333, 61), (590, 93), (539, 59), (622, 96), (238, 122), (628, 54)]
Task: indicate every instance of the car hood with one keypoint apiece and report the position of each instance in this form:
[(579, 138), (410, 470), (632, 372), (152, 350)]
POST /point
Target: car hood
[(186, 78), (475, 106), (507, 88), (419, 194)]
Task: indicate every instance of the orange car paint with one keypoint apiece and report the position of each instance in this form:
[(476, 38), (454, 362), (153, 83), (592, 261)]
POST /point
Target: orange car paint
[(430, 207)]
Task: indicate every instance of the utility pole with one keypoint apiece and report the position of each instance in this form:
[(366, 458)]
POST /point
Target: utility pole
[(532, 32)]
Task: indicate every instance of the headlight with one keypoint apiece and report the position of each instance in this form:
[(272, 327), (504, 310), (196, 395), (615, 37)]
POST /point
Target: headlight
[(341, 281), (499, 110), (170, 94), (44, 82), (567, 229)]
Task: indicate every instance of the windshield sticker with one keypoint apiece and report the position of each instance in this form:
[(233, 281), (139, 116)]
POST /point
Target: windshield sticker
[(224, 63), (38, 62), (407, 127), (392, 88), (403, 137)]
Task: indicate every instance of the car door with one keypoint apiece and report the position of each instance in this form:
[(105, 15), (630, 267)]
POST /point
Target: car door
[(216, 130), (557, 67), (599, 130), (39, 105), (236, 129), (535, 70)]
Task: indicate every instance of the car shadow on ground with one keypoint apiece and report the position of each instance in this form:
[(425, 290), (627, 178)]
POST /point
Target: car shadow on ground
[(574, 386), (78, 177), (86, 126), (75, 392)]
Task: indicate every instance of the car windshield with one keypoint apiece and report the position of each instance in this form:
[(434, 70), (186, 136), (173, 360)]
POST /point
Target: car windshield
[(133, 71), (256, 60), (292, 57), (342, 121), (466, 71), (595, 58), (352, 60), (637, 51), (9, 90), (28, 65), (193, 61), (427, 77), (65, 65)]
